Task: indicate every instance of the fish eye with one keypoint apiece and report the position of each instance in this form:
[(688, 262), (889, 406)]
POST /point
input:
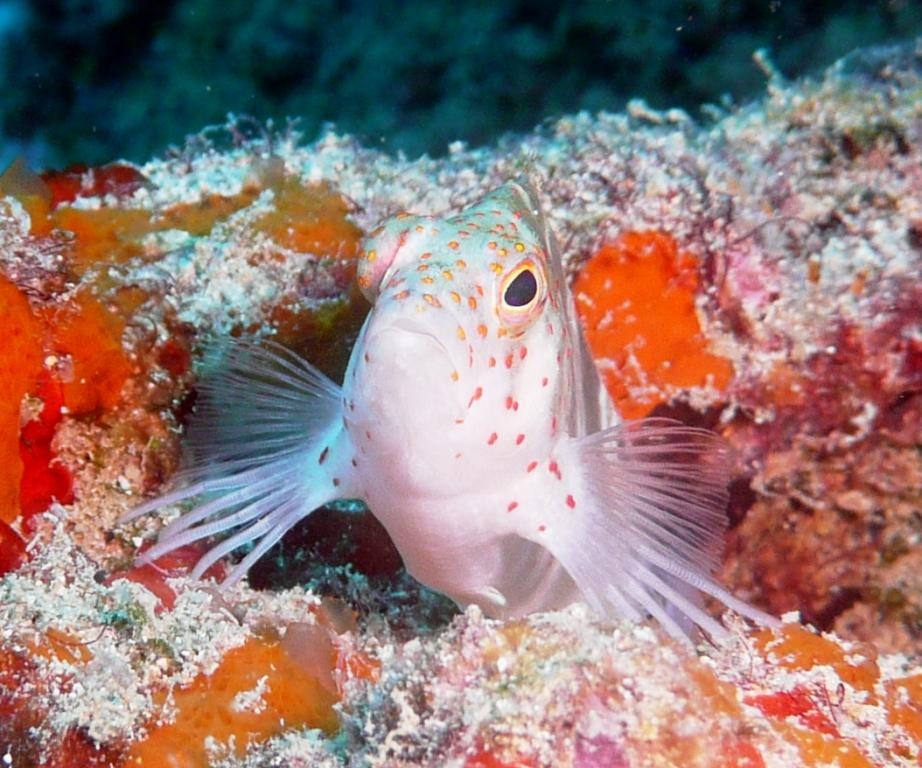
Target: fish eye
[(521, 296), (522, 290)]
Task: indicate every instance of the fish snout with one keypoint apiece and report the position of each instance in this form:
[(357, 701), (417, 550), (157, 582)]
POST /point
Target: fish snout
[(410, 360)]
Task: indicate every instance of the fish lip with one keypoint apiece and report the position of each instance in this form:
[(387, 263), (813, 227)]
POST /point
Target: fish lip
[(409, 325)]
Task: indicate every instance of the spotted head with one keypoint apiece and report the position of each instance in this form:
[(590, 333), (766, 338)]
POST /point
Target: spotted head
[(461, 362)]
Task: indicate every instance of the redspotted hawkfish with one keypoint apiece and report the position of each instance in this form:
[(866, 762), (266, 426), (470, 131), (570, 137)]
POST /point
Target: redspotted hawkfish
[(472, 422)]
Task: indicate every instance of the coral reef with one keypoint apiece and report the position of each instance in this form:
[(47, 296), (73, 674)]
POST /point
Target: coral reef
[(757, 275), (559, 689)]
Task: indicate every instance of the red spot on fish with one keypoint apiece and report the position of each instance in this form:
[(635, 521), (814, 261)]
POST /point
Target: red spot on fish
[(542, 528), (554, 469), (336, 482), (492, 438), (476, 396), (323, 455), (531, 466), (509, 402), (512, 505), (509, 360), (523, 352), (492, 361), (519, 439), (544, 381), (571, 502)]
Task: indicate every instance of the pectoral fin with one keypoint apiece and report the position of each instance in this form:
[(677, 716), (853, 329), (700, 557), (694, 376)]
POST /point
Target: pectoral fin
[(267, 448), (647, 531)]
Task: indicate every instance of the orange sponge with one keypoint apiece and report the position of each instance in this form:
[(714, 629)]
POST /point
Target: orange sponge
[(20, 365), (311, 219), (636, 300), (258, 691), (87, 334), (806, 716), (92, 336)]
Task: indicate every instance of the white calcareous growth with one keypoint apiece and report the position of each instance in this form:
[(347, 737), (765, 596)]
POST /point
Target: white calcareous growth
[(473, 423)]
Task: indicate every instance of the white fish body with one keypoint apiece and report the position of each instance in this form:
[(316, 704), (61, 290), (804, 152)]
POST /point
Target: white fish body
[(472, 422)]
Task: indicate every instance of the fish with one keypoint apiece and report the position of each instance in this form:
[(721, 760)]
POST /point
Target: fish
[(474, 425)]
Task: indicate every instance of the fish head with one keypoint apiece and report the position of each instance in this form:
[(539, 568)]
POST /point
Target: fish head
[(457, 374)]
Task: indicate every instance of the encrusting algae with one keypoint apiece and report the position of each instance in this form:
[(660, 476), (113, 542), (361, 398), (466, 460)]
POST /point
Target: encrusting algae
[(768, 267)]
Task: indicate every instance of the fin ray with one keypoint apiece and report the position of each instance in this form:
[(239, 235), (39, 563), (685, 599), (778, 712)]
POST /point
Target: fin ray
[(649, 531), (263, 417)]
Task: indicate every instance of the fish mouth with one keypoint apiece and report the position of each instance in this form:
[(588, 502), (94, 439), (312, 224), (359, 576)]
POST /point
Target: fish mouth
[(419, 333), (410, 358)]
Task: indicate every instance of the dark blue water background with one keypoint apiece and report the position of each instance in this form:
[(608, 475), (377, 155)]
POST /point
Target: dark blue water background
[(94, 80)]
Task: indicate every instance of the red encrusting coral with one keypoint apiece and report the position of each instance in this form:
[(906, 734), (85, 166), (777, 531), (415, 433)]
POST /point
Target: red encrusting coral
[(798, 703), (117, 179), (154, 576), (636, 299), (20, 366), (44, 479), (12, 549)]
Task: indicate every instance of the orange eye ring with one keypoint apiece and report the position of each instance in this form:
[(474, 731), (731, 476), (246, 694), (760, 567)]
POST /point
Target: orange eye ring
[(522, 293)]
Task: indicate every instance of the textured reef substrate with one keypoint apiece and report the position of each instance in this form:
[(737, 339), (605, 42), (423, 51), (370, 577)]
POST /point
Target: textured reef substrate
[(768, 266)]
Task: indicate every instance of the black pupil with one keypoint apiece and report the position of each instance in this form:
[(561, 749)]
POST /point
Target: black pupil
[(522, 290)]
